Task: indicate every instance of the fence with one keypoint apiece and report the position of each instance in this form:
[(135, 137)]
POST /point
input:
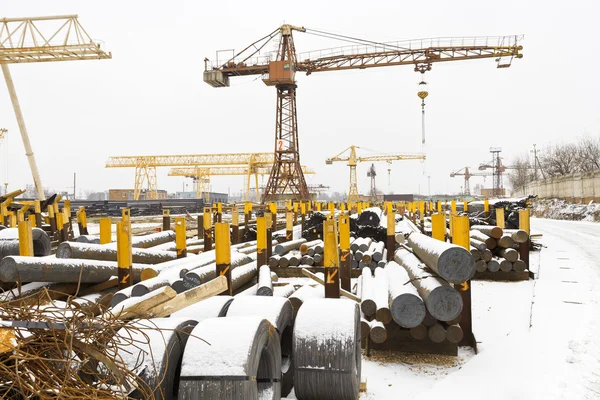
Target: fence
[(581, 187)]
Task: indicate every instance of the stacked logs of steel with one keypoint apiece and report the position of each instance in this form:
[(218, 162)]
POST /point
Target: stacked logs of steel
[(495, 249), (412, 298)]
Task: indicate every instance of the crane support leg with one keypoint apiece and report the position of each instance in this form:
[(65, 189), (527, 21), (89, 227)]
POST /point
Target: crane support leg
[(353, 193), (21, 122), (286, 175)]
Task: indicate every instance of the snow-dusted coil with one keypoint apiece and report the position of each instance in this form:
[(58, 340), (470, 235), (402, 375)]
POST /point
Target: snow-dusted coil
[(213, 307), (9, 242), (327, 350), (279, 312), (154, 353), (237, 358)]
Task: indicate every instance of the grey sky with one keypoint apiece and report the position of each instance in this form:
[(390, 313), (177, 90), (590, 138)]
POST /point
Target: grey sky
[(150, 98)]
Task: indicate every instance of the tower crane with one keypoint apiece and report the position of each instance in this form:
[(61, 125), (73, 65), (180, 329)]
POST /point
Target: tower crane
[(352, 160), (3, 133), (279, 68), (468, 174), (372, 174), (201, 176), (498, 168), (37, 39)]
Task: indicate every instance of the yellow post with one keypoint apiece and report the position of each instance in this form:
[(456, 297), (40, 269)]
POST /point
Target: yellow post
[(124, 258), (343, 207), (52, 218), (105, 230), (302, 208), (332, 208), (453, 206), (422, 212), (486, 205), (438, 226), (219, 212), (38, 213), (223, 253), (59, 221), (261, 241), (67, 211), (319, 206), (524, 220), (461, 232), (207, 221), (500, 217), (289, 225), (309, 206), (390, 243), (453, 214), (439, 206), (359, 207), (295, 207), (331, 260), (345, 261), (31, 218), (21, 214), (466, 205), (273, 208), (25, 239), (235, 225), (13, 219), (180, 237)]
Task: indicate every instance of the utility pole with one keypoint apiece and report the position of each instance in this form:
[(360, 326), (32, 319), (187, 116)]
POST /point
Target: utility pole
[(535, 162)]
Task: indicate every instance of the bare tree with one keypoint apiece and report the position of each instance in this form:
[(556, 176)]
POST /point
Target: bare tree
[(588, 153), (521, 174), (560, 160)]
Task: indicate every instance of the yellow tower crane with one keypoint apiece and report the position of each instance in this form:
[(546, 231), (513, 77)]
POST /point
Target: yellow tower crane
[(202, 176), (37, 39), (352, 160), (145, 166)]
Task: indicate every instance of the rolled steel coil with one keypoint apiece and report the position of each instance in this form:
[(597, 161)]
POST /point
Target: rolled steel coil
[(154, 351), (237, 358), (326, 350), (213, 307), (279, 312)]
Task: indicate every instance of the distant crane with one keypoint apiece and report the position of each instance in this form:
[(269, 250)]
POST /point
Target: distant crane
[(372, 174), (279, 68), (32, 40), (467, 174), (498, 169), (352, 160)]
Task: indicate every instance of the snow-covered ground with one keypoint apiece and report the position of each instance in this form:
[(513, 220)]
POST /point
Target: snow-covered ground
[(560, 209), (537, 339)]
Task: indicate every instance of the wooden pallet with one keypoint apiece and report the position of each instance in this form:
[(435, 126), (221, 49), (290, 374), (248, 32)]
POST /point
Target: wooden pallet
[(510, 276)]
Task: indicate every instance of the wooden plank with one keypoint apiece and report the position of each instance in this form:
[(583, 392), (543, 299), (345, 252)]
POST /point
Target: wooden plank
[(296, 272), (138, 307), (315, 278), (510, 276), (189, 297)]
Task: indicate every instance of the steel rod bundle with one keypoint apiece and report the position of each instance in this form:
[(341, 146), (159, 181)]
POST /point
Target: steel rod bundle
[(316, 244), (90, 251), (283, 248), (200, 275), (489, 230), (453, 263), (279, 312), (442, 301), (328, 366), (237, 358)]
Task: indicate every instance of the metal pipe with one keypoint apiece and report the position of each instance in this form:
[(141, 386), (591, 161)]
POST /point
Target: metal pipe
[(89, 251)]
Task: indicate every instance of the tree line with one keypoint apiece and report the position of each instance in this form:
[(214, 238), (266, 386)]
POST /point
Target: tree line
[(582, 155)]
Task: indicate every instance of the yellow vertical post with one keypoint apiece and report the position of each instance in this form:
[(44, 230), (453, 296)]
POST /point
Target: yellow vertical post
[(486, 206), (261, 241), (52, 218), (345, 261), (270, 227), (105, 230), (208, 241), (219, 212), (343, 207), (500, 217), (296, 206), (124, 257), (524, 220), (422, 213), (332, 208), (453, 206), (331, 260), (235, 225), (309, 206), (439, 206), (438, 227), (319, 206), (289, 226), (37, 208), (223, 254), (67, 211), (82, 221), (180, 237), (13, 219), (453, 214), (25, 239), (60, 225), (31, 218), (166, 220), (461, 232), (21, 214), (390, 243), (359, 207), (466, 205)]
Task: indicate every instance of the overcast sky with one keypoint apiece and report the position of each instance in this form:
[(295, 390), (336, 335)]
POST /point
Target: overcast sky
[(150, 98)]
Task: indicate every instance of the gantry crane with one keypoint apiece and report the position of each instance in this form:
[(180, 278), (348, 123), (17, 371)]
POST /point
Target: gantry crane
[(145, 166), (468, 174), (201, 177), (498, 168), (31, 40), (3, 133), (352, 160), (279, 69)]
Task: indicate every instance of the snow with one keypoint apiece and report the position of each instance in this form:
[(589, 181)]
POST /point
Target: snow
[(561, 209), (325, 317)]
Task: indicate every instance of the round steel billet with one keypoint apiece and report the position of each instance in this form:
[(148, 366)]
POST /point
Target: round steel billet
[(365, 328), (455, 321), (284, 262), (487, 255), (377, 333), (231, 358), (519, 266), (437, 333), (480, 266), (518, 235), (454, 333), (510, 254), (506, 242), (442, 300), (478, 244), (419, 332), (490, 230), (382, 302), (505, 265), (284, 291), (400, 239), (265, 284), (294, 258), (91, 251), (274, 261), (493, 265), (453, 263), (305, 246), (475, 253), (429, 319), (328, 366), (405, 304), (365, 244), (367, 303), (490, 242), (306, 260), (88, 239), (283, 248), (358, 255), (379, 251), (318, 258)]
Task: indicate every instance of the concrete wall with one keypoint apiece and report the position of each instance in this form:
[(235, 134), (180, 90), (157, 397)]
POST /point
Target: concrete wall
[(581, 187)]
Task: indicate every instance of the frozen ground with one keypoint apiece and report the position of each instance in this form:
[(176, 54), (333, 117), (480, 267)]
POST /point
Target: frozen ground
[(560, 209), (537, 339)]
